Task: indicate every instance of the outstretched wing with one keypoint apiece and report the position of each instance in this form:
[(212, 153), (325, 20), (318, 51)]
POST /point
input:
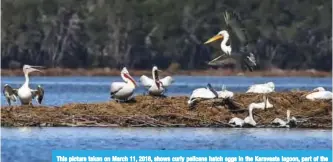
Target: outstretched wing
[(38, 94), (234, 26), (166, 81), (146, 82), (9, 93)]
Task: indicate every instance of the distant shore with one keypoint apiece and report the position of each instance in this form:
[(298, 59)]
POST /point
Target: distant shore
[(209, 72), (148, 111)]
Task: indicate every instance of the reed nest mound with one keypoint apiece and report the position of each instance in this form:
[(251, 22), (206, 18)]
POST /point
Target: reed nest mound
[(147, 111)]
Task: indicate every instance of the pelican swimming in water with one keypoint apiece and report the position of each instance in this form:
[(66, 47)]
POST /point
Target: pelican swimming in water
[(156, 86), (24, 93), (205, 93), (248, 121), (122, 91), (262, 105), (319, 94), (261, 88), (244, 57), (286, 124)]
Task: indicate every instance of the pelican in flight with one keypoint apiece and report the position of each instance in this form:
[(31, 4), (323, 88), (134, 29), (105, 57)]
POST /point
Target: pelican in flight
[(205, 93), (248, 121), (244, 57), (24, 93), (122, 91), (286, 124), (261, 88), (156, 86), (319, 94)]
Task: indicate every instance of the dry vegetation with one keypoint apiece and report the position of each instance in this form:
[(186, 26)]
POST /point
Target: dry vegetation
[(147, 111)]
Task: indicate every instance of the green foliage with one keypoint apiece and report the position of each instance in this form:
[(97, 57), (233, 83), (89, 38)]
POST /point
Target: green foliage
[(141, 33)]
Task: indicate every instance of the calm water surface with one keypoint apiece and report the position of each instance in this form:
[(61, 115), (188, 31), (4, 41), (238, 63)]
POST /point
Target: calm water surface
[(62, 90), (36, 144)]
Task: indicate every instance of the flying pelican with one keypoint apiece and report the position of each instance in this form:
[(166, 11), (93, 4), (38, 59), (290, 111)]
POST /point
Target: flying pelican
[(206, 93), (24, 93), (248, 121), (156, 86), (319, 93), (244, 57), (262, 105), (123, 90), (285, 124), (261, 88)]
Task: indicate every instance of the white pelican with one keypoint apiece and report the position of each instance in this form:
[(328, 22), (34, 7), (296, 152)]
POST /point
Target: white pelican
[(206, 93), (224, 93), (24, 93), (156, 86), (248, 121), (262, 105), (123, 90), (244, 57), (318, 94), (281, 123), (261, 88)]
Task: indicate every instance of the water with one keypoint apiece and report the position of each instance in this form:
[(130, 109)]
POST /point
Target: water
[(36, 144), (62, 90)]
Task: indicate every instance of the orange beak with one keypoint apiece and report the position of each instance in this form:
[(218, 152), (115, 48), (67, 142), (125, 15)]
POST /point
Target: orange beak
[(216, 37)]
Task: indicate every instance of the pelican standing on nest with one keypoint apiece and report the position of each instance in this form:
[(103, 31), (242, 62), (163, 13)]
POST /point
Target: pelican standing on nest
[(319, 94), (262, 105), (245, 58), (24, 93), (156, 86), (121, 91), (261, 88)]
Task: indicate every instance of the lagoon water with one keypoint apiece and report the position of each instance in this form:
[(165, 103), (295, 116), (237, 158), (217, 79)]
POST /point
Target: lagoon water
[(36, 144), (63, 90)]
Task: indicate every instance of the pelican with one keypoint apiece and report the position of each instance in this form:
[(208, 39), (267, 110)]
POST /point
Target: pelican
[(248, 121), (261, 88), (206, 93), (224, 93), (24, 93), (244, 57), (262, 105), (156, 86), (123, 90), (319, 93), (281, 123)]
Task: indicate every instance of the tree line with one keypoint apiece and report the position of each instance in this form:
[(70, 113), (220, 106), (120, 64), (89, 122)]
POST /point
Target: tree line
[(140, 33)]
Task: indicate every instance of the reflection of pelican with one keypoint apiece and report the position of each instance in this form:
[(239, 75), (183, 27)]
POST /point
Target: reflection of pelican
[(262, 88), (245, 58), (24, 93), (205, 93), (248, 121), (123, 90), (319, 93), (262, 105), (281, 123), (155, 86)]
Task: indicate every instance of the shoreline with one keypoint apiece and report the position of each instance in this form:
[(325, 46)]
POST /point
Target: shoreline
[(147, 111), (209, 72)]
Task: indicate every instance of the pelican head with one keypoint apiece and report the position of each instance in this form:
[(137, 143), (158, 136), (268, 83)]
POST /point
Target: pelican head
[(126, 76), (318, 89), (271, 85), (155, 71), (28, 69), (220, 35)]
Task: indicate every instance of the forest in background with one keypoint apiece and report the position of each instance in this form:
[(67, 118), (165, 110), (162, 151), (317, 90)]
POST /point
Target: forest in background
[(288, 34)]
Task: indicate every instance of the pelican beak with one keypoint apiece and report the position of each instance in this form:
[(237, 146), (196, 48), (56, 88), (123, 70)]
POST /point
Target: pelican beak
[(33, 68), (130, 78), (216, 37)]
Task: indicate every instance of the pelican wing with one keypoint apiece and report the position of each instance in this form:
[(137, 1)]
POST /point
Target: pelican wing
[(116, 86), (246, 60), (146, 82), (234, 26), (166, 81), (10, 94), (38, 94)]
